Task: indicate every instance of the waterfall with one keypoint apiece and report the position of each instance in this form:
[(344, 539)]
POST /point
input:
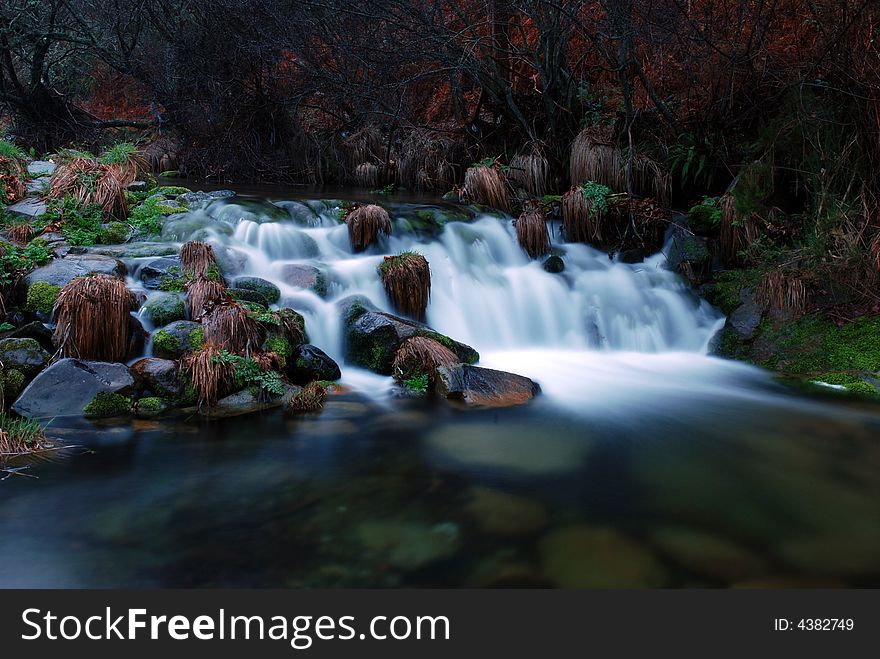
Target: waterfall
[(485, 291)]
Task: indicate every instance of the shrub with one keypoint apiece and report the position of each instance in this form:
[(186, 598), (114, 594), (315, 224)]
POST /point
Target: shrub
[(230, 326)]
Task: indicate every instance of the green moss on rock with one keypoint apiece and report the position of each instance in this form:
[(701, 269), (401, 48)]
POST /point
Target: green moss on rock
[(41, 297), (13, 382), (108, 404)]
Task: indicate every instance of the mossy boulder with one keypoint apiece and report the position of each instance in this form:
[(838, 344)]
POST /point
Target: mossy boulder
[(305, 276), (13, 382), (267, 289), (163, 273), (178, 339), (41, 296), (309, 363), (247, 295), (372, 337), (554, 264), (115, 233), (164, 308), (25, 355), (149, 407)]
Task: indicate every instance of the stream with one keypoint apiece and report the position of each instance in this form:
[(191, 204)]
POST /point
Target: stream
[(643, 463)]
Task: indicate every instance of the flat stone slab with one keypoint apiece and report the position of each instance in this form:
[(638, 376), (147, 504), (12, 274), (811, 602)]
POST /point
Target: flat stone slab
[(484, 387), (39, 186), (68, 385), (61, 272), (29, 208), (41, 168)]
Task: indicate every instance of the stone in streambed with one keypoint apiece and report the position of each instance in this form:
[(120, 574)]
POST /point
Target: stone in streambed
[(265, 288), (156, 376), (582, 556), (372, 337), (25, 355), (500, 513), (708, 554), (34, 330), (69, 385), (745, 318), (62, 271), (164, 308), (309, 363), (178, 339), (484, 387), (160, 271), (304, 276), (246, 401), (408, 545)]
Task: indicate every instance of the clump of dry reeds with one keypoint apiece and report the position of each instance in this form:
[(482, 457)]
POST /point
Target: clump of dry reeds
[(875, 250), (91, 182), (203, 294), (485, 184), (407, 281), (210, 376), (366, 224), (581, 218), (366, 144), (196, 257), (366, 175), (93, 316), (230, 326), (736, 233), (421, 356), (594, 157), (291, 326), (785, 290), (20, 233), (309, 398), (531, 231), (13, 177), (427, 160), (531, 170)]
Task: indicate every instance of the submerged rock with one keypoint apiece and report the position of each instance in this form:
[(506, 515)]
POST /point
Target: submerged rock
[(309, 363), (156, 376), (582, 556), (500, 513), (69, 385), (708, 554), (409, 545), (372, 337), (23, 354), (484, 387), (246, 402), (62, 271), (193, 200), (305, 276)]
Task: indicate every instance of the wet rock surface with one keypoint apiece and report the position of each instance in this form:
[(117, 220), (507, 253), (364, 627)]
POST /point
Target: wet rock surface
[(484, 387)]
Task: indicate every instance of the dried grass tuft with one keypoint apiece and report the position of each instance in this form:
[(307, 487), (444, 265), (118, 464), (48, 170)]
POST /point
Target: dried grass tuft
[(21, 233), (421, 356), (309, 398), (196, 257), (531, 231), (13, 179), (366, 224), (407, 281), (91, 182), (93, 319), (366, 175), (531, 170), (210, 377), (230, 326), (735, 233), (785, 290), (21, 438), (581, 220), (203, 294), (487, 186)]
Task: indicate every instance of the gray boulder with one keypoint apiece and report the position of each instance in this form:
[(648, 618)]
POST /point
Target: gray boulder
[(247, 401), (23, 354), (61, 272), (309, 363), (41, 168), (745, 319), (69, 385), (159, 377), (305, 276), (484, 387), (38, 186), (153, 273)]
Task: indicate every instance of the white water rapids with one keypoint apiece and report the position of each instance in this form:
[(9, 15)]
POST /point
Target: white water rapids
[(599, 334)]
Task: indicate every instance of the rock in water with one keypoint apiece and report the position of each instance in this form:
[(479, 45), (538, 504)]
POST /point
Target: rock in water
[(409, 545), (68, 385), (501, 513), (265, 288), (372, 337), (156, 376), (582, 556), (484, 387), (309, 363), (160, 270), (178, 339), (165, 308), (708, 554)]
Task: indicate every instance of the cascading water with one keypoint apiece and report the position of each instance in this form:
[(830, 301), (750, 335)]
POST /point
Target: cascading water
[(485, 290)]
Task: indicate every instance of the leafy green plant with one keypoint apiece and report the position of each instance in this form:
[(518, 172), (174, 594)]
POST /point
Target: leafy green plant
[(598, 196), (417, 383), (15, 261), (249, 373), (6, 327), (81, 225), (692, 162), (384, 191)]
